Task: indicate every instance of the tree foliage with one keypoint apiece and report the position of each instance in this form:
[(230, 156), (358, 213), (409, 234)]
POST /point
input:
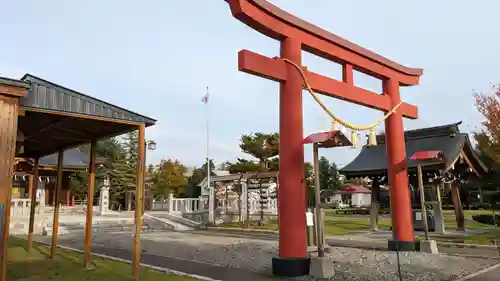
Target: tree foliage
[(488, 138), (262, 146), (169, 176), (328, 174), (243, 166)]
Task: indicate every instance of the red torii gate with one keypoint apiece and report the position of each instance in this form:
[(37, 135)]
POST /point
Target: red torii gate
[(296, 35)]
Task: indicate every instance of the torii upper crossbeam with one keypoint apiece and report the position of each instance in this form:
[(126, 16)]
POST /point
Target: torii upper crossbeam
[(296, 35)]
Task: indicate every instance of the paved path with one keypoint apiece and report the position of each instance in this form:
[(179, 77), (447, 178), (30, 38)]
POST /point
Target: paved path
[(359, 242), (490, 274), (186, 266)]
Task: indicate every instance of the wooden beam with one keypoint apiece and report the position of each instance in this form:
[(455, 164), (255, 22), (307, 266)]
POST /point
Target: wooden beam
[(82, 116), (14, 91), (33, 189), (57, 199), (138, 202), (275, 69), (90, 206), (467, 160)]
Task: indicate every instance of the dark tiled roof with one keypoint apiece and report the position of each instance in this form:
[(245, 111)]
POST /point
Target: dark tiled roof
[(47, 95), (373, 160), (73, 158)]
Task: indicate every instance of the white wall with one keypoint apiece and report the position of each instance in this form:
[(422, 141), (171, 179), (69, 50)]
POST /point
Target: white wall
[(361, 199), (358, 199), (333, 199)]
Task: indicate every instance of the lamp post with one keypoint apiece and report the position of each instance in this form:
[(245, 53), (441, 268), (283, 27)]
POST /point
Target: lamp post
[(149, 145)]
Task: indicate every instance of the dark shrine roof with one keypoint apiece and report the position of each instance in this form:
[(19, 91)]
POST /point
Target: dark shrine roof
[(47, 95), (372, 161), (72, 158), (53, 118)]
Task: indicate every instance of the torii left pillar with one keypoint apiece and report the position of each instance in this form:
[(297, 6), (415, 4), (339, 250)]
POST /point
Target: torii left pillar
[(10, 93)]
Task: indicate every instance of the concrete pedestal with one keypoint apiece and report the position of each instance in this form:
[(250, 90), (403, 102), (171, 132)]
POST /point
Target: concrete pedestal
[(104, 200), (429, 246), (321, 267)]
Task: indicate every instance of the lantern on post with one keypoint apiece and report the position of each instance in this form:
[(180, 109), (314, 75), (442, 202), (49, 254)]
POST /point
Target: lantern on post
[(324, 140), (422, 157)]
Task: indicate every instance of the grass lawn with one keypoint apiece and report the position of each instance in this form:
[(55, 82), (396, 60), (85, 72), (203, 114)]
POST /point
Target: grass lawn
[(68, 266), (489, 237), (338, 226), (341, 224)]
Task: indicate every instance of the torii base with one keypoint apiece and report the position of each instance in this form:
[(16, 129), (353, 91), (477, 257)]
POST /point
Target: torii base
[(404, 246), (291, 267)]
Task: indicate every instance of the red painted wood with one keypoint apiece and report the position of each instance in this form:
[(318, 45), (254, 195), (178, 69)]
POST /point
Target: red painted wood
[(291, 193), (275, 69), (296, 35), (399, 193), (426, 155)]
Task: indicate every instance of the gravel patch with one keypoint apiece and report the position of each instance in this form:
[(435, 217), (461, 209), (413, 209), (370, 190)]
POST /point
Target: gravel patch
[(256, 255)]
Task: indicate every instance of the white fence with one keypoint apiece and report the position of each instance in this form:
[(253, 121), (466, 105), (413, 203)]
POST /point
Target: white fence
[(200, 205), (20, 207)]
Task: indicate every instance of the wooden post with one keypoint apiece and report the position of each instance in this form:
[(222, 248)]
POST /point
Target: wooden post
[(422, 200), (33, 204), (90, 206), (457, 205), (55, 222), (138, 203), (30, 185), (317, 203)]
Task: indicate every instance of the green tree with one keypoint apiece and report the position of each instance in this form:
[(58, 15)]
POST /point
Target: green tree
[(212, 167), (108, 151), (328, 174), (170, 176), (243, 166), (309, 181), (193, 189), (261, 146)]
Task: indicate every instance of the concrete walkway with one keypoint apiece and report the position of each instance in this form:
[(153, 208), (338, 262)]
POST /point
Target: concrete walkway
[(489, 274), (375, 241), (185, 266)]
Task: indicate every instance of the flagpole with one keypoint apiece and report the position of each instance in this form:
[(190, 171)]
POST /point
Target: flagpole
[(211, 201)]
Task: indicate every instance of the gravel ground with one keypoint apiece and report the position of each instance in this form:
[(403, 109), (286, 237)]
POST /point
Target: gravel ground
[(255, 255)]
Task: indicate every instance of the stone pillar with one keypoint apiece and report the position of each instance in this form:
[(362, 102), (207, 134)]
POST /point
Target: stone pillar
[(170, 203), (129, 201), (211, 203), (201, 205), (104, 200), (244, 201), (41, 193)]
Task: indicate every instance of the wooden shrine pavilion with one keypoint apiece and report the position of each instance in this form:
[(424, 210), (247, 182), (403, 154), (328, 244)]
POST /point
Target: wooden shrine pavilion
[(39, 118), (74, 161), (459, 164)]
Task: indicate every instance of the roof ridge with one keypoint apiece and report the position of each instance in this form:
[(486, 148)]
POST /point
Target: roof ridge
[(26, 78), (428, 132)]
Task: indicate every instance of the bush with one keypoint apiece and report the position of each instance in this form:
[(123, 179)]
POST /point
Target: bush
[(486, 219)]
